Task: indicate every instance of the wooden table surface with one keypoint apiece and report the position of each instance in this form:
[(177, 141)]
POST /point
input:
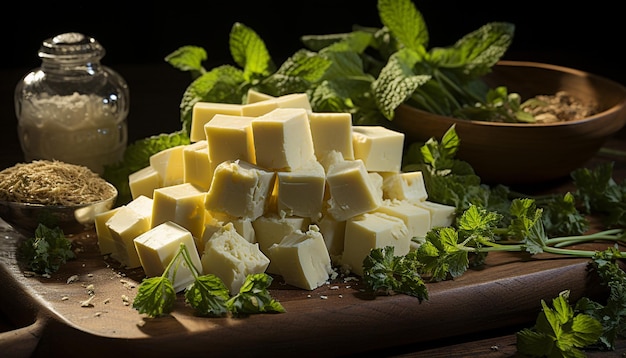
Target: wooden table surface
[(154, 109)]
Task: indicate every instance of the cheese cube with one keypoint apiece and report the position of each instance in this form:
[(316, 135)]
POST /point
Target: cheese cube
[(254, 96), (333, 232), (416, 219), (157, 247), (244, 227), (125, 225), (407, 186), (441, 215), (106, 244), (196, 165), (230, 138), (231, 258), (301, 192), (169, 164), (377, 182), (332, 132), (182, 204), (380, 148), (270, 229), (240, 189), (294, 100), (351, 190), (259, 108), (282, 139), (143, 182), (203, 112), (370, 231), (302, 259)]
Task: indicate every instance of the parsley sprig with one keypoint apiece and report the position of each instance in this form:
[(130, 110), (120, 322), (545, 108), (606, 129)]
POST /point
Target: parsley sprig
[(47, 250), (207, 295)]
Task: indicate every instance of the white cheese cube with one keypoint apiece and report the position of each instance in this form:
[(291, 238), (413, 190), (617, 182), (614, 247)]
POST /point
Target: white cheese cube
[(270, 229), (377, 182), (260, 105), (282, 139), (332, 132), (351, 190), (244, 227), (302, 259), (230, 138), (416, 219), (144, 181), (379, 147), (441, 215), (300, 192), (106, 244), (203, 112), (157, 247), (294, 100), (182, 204), (407, 186), (231, 258), (196, 165), (169, 164), (240, 189), (142, 204), (370, 231), (254, 96)]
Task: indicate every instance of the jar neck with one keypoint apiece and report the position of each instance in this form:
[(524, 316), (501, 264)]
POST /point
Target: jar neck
[(88, 67)]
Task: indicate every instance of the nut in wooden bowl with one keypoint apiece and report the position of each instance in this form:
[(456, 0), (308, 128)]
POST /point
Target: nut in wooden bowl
[(523, 153)]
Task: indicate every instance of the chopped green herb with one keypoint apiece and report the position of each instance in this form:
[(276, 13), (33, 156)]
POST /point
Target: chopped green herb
[(47, 250)]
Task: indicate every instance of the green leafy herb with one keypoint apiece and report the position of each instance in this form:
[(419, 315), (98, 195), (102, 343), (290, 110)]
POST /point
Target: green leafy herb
[(47, 250), (254, 297), (207, 295), (388, 274), (559, 331)]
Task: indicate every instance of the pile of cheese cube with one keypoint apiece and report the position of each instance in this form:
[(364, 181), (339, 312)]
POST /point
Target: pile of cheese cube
[(271, 186)]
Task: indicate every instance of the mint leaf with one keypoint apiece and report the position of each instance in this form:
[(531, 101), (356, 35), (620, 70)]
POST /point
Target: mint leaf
[(254, 297), (188, 58), (208, 296), (405, 23), (397, 82), (155, 296), (250, 53)]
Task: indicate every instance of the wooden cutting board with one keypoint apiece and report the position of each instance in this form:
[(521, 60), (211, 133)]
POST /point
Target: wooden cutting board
[(335, 319)]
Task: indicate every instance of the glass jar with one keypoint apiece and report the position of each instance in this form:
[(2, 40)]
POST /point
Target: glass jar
[(72, 108)]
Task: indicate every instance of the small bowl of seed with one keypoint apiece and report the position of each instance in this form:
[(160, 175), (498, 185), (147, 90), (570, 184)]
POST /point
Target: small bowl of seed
[(55, 194)]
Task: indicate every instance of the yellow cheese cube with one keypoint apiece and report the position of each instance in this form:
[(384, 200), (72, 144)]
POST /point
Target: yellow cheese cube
[(407, 186), (302, 259), (230, 138), (256, 96), (282, 139), (182, 204), (196, 165), (300, 192), (351, 190), (143, 182), (230, 257), (203, 112), (380, 148), (240, 189), (125, 225), (106, 243), (416, 219), (331, 132), (157, 247), (441, 215), (169, 164), (294, 100), (259, 108), (370, 231), (270, 229), (333, 232)]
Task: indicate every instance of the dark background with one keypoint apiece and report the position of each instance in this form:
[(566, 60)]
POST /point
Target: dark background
[(137, 38)]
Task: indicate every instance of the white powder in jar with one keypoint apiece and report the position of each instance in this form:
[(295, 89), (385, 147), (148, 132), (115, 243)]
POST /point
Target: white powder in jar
[(79, 129)]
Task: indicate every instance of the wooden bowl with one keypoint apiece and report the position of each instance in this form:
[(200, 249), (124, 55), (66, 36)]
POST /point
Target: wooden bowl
[(522, 154)]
